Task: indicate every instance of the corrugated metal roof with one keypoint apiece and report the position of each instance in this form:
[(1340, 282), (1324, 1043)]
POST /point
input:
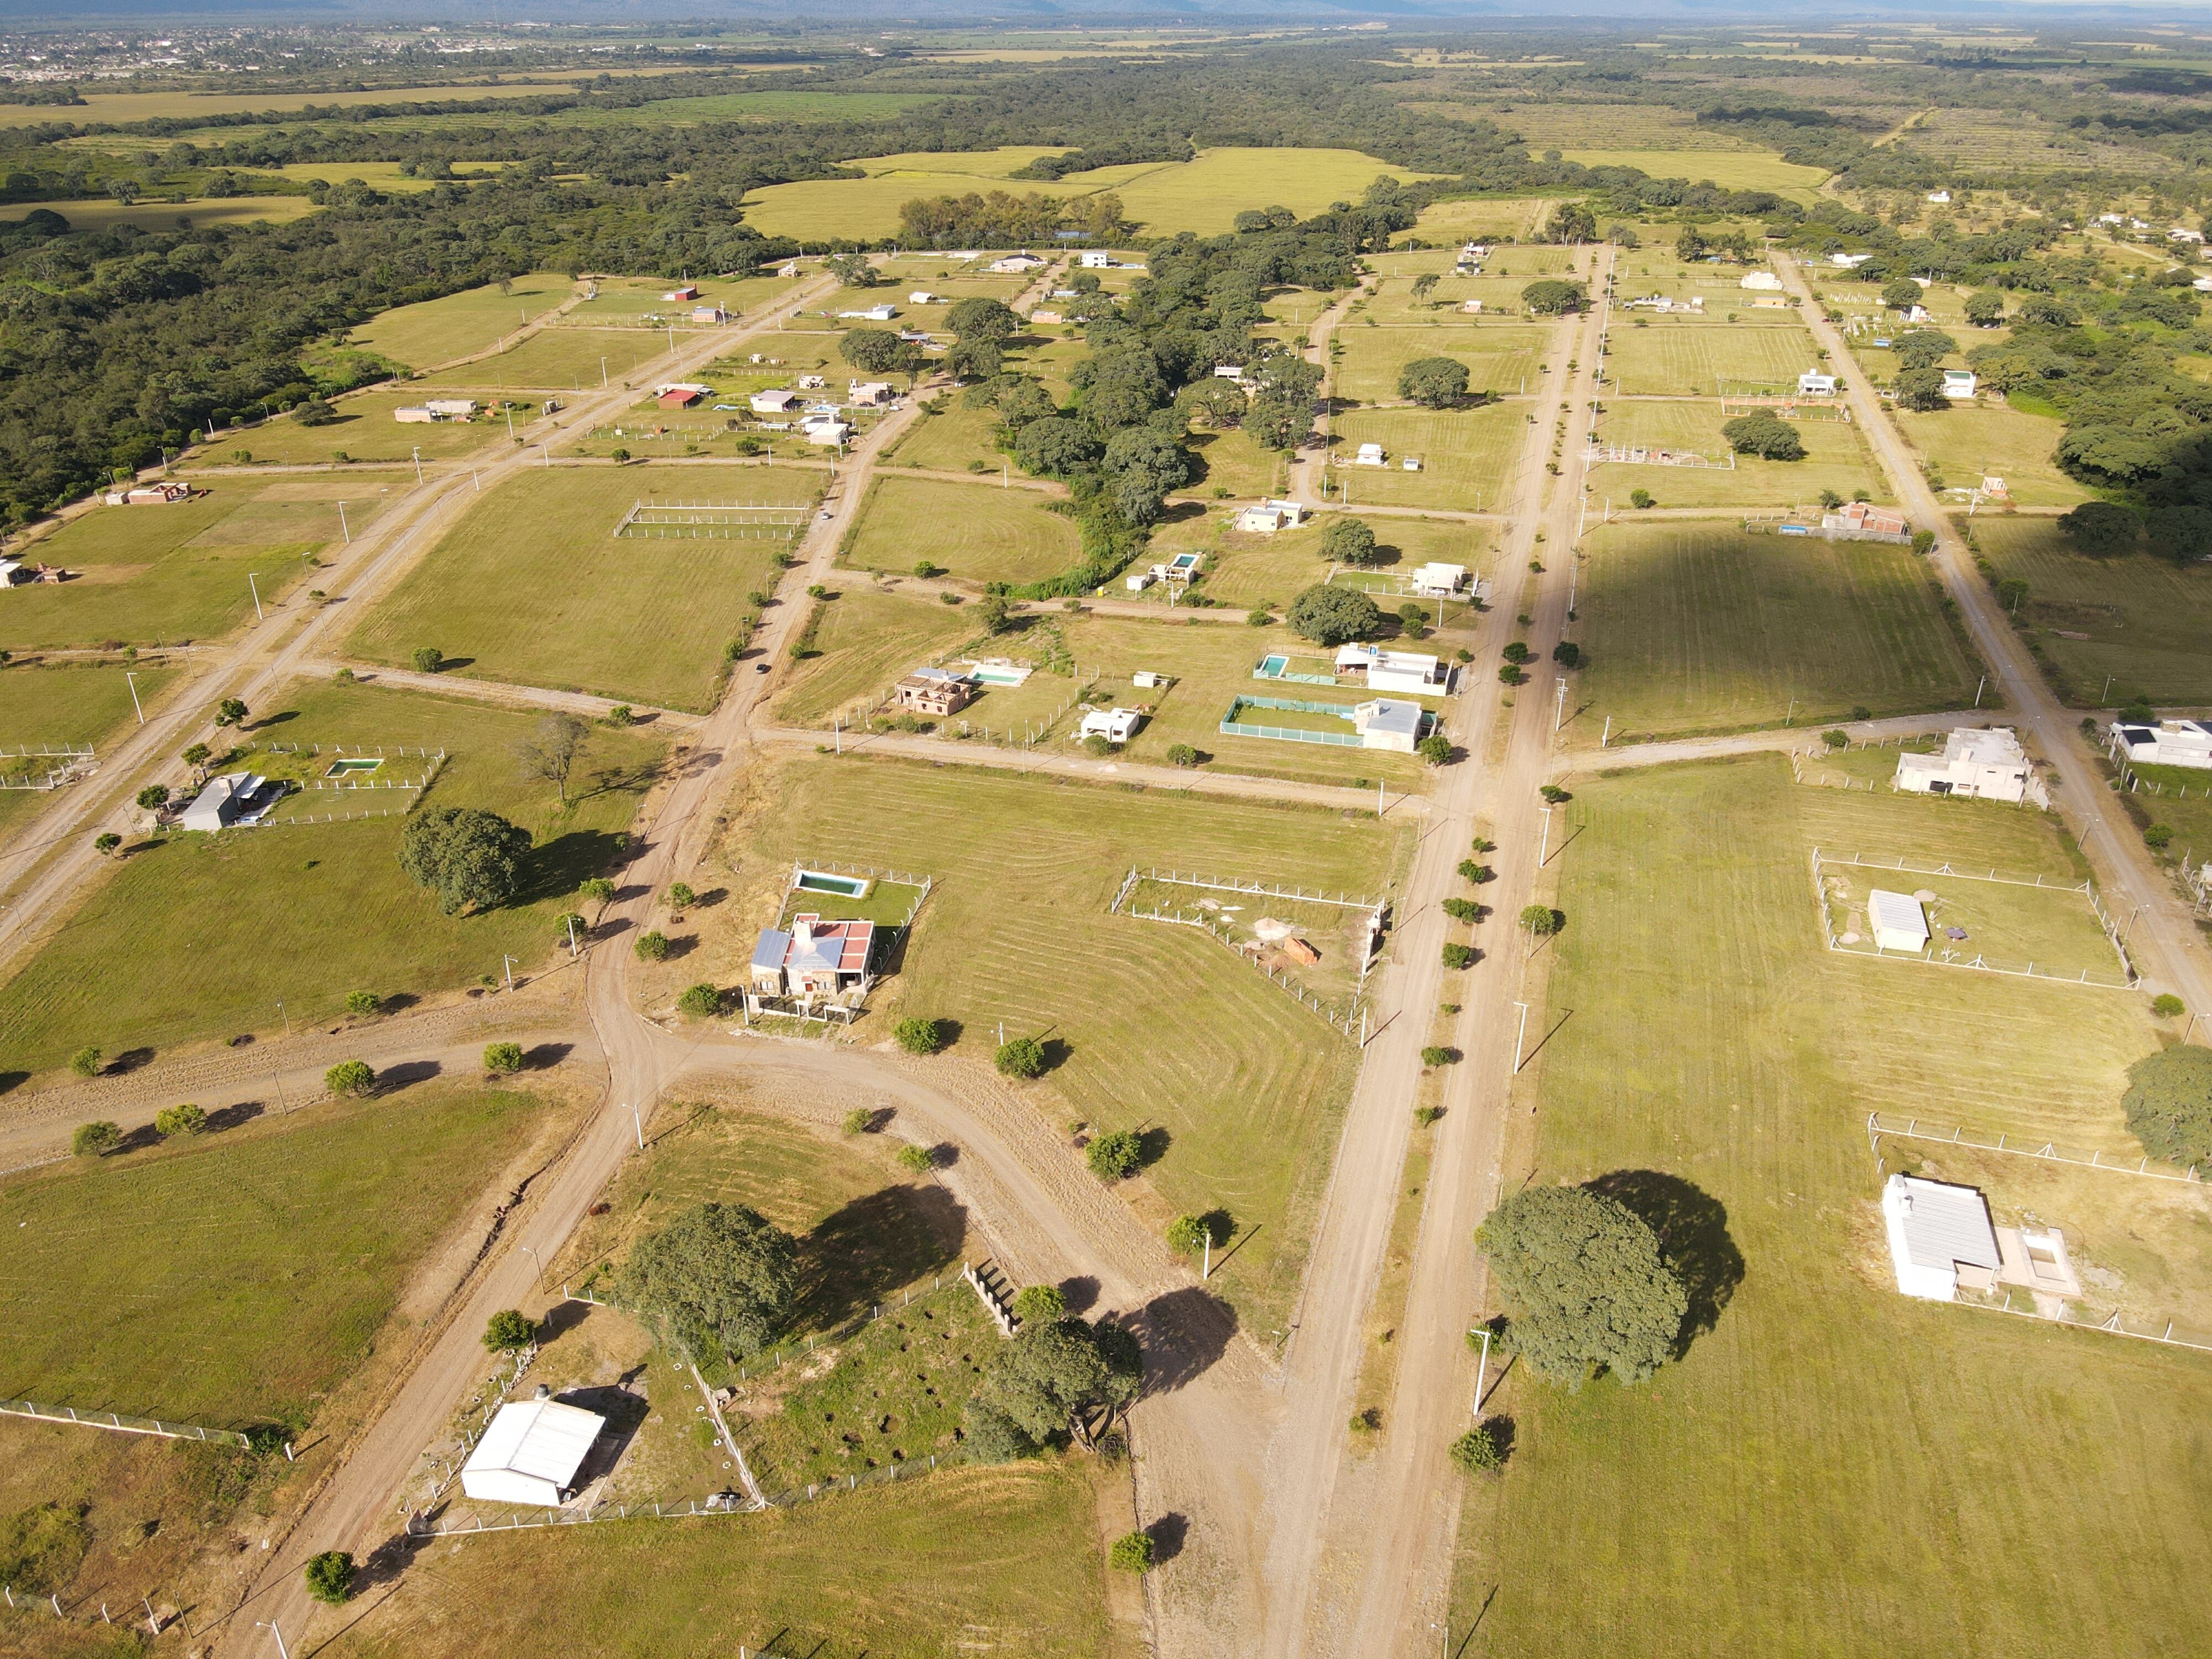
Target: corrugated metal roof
[(1900, 912), (543, 1438), (769, 951), (1943, 1224)]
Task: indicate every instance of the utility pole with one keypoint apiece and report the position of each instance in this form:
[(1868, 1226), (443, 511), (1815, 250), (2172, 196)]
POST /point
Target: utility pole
[(134, 703), (418, 451), (1518, 1036), (1979, 690), (344, 529), (602, 374), (507, 964), (572, 938), (282, 1651), (1559, 710), (286, 1018), (510, 432), (638, 1120), (255, 589), (1482, 1366)]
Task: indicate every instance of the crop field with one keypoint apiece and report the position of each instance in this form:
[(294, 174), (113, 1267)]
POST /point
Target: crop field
[(562, 359), (1648, 127), (304, 1231), (124, 106), (1835, 459), (947, 440), (1466, 455), (1671, 358), (975, 532), (819, 210), (1016, 929), (1968, 442), (156, 574), (1500, 357), (1010, 1555), (533, 585), (1703, 628), (278, 912), (1233, 461), (460, 324), (2137, 617), (1823, 1416), (866, 641)]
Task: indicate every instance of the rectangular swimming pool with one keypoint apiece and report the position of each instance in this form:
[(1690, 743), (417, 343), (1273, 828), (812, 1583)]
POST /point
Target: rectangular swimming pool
[(353, 763), (821, 881)]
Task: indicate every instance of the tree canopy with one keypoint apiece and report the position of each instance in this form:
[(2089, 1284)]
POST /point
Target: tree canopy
[(2169, 1103), (1554, 297), (1333, 616), (1434, 382), (1039, 1386), (1348, 541), (2100, 529), (1585, 1283), (719, 1280), (466, 855), (1764, 434)]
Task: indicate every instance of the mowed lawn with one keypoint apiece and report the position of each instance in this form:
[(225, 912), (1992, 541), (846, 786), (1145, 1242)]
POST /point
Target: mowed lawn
[(53, 703), (1499, 357), (1968, 442), (864, 643), (947, 440), (1834, 1468), (976, 531), (168, 575), (2141, 619), (1008, 1556), (309, 913), (434, 332), (1466, 455), (1671, 358), (236, 1278), (1256, 569), (1703, 628), (1153, 1027), (564, 360), (533, 585), (365, 429), (1835, 459)]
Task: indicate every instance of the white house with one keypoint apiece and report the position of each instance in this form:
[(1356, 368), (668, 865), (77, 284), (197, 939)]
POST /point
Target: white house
[(1387, 724), (875, 313), (1897, 921), (451, 409), (2170, 743), (826, 430), (413, 415), (1438, 582), (1095, 258), (922, 296), (781, 401), (1941, 197), (1849, 261), (1265, 517), (2112, 219), (1138, 580), (1471, 307), (1115, 725), (1370, 455), (1917, 314), (1940, 1236), (2180, 233), (1959, 382), (1813, 383), (530, 1453), (1379, 669), (222, 801), (1019, 265), (869, 394), (1761, 281), (1985, 764)]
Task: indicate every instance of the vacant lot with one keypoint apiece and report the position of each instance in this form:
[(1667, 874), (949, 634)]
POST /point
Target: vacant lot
[(365, 429), (308, 913), (534, 586), (303, 1233), (869, 208), (102, 213), (1694, 626), (2050, 929), (865, 641), (1970, 441), (1243, 1103), (1233, 461), (947, 440), (459, 324), (2138, 618), (564, 360), (149, 575), (1835, 460), (1825, 1415), (1465, 455), (1688, 359), (1477, 219), (1010, 1556), (975, 532), (1500, 357)]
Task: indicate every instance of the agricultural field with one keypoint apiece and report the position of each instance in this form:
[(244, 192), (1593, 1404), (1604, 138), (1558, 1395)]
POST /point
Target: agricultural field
[(1969, 442), (865, 641), (866, 208), (304, 1230), (533, 585), (152, 574), (278, 912), (1691, 627), (1689, 358), (1501, 358), (1016, 929), (1823, 1414), (126, 106), (1466, 455), (1835, 459), (972, 530), (1560, 126), (460, 324), (562, 359), (1482, 219), (2135, 617)]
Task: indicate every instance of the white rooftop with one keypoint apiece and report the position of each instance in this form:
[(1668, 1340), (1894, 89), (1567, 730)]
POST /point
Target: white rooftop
[(1986, 746), (1941, 1224), (532, 1449), (1897, 913)]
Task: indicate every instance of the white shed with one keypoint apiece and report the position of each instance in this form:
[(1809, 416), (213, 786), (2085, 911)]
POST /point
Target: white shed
[(1369, 455), (1938, 1234), (530, 1454), (1897, 921)]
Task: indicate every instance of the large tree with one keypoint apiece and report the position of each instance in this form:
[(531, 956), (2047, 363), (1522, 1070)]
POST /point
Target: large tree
[(1553, 297), (1055, 445), (1921, 390), (2169, 1104), (983, 319), (1348, 541), (1048, 1381), (1434, 382), (1142, 465), (1764, 435), (2100, 529), (871, 350), (718, 1281), (466, 855), (551, 751), (1585, 1285), (1333, 616)]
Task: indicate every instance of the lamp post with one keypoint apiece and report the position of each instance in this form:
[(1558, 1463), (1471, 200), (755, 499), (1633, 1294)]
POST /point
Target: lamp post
[(1482, 1366), (282, 1651), (1518, 1036), (255, 588), (344, 529), (134, 703)]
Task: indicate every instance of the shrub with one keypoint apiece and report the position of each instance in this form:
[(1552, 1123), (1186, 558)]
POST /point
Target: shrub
[(1181, 754), (2168, 1006), (1553, 793), (349, 1078), (2158, 836), (2169, 1103), (1116, 1156), (1477, 873), (1476, 1451), (1021, 1056), (622, 714), (1567, 654), (1459, 909), (700, 1001), (329, 1576), (503, 1058), (1542, 921), (1459, 956), (95, 1140), (1040, 1304), (1836, 739), (87, 1061), (1189, 1235), (362, 1004), (917, 1160), (1516, 651), (1433, 1056), (918, 1036), (1426, 1115), (106, 843), (1640, 498), (428, 659), (187, 1120), (1133, 1552), (652, 946), (681, 896), (509, 1329), (1258, 617), (153, 797)]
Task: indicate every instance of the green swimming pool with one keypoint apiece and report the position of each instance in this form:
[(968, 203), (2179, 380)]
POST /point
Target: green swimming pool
[(821, 881), (353, 763)]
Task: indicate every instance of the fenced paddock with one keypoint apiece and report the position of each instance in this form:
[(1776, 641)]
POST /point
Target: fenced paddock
[(1651, 455), (2052, 1152), (47, 767), (2029, 927), (727, 521)]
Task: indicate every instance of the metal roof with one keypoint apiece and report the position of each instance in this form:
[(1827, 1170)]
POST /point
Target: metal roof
[(1942, 1225), (769, 951), (542, 1438), (1896, 912), (1384, 715)]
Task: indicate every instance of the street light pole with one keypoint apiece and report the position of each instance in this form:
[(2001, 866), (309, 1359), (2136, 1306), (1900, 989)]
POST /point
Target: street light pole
[(282, 1651), (639, 1122), (134, 703), (2131, 928), (344, 529), (506, 965), (255, 587), (1544, 845), (418, 453), (1518, 1035), (1482, 1366)]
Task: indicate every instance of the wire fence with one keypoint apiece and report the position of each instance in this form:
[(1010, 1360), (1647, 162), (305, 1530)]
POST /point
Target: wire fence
[(1233, 726), (2113, 1322), (2049, 1151), (116, 1422), (712, 520)]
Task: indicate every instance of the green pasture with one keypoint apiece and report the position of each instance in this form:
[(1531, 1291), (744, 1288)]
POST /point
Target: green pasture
[(1273, 569), (975, 531), (1501, 358), (1824, 1416), (1968, 442), (1689, 627), (460, 324), (1729, 169), (1466, 455), (1672, 358), (565, 359), (2052, 930), (865, 641), (1835, 460), (103, 213), (1479, 218), (309, 913), (534, 586), (1233, 461), (947, 440), (1206, 195)]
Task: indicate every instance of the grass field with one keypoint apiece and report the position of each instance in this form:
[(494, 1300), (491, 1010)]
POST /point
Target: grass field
[(1247, 1095), (1825, 1417), (106, 214), (1274, 570), (1233, 461), (1465, 454), (56, 703), (419, 336), (1005, 1556), (1500, 358), (1675, 359), (562, 359), (1835, 459), (1482, 218), (1205, 196), (148, 574), (2052, 930), (866, 642), (820, 210), (1694, 626), (1646, 127), (281, 912), (534, 586), (124, 106), (973, 531), (364, 429), (1971, 441), (2136, 617), (302, 1231), (946, 441)]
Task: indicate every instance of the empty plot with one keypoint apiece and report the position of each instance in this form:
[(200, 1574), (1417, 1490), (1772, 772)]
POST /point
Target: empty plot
[(1465, 455), (1970, 441), (1688, 359), (1500, 358), (562, 359), (974, 531), (1248, 570), (1835, 460), (1698, 628), (534, 586), (365, 429), (1233, 461), (459, 324), (948, 439)]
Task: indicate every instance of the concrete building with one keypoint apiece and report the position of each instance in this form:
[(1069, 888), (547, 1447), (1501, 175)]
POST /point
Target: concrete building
[(781, 401), (1018, 264), (1761, 282), (1813, 383), (1438, 581), (1897, 921), (1959, 382), (234, 797), (1985, 764), (1115, 725), (413, 415), (166, 494), (875, 313), (2169, 743), (816, 958), (530, 1453), (1863, 518), (870, 394), (451, 409), (1410, 671), (1940, 1237), (1370, 455), (938, 692), (1266, 517), (1386, 723)]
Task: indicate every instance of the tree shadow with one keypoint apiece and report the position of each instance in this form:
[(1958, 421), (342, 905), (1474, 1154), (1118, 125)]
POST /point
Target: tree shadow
[(607, 780), (1057, 1053), (564, 863), (408, 1073), (127, 1063), (10, 1081), (858, 1253), (1167, 1534), (234, 1115), (544, 1056), (1693, 1236), (1152, 1145), (281, 717), (1502, 1431), (1082, 1293), (1183, 1333)]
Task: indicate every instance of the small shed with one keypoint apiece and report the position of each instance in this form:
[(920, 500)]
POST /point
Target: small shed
[(781, 401), (683, 291), (530, 1454), (1388, 724), (1939, 1235), (1438, 581), (1897, 921), (1370, 455)]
